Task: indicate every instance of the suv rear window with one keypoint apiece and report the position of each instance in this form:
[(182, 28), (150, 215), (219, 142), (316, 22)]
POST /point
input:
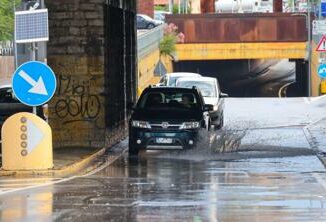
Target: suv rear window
[(207, 88), (162, 100)]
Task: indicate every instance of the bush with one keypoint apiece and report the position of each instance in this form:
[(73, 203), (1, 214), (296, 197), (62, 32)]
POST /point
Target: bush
[(170, 38)]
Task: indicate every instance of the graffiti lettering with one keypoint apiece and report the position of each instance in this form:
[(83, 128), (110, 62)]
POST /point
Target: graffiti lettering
[(77, 100)]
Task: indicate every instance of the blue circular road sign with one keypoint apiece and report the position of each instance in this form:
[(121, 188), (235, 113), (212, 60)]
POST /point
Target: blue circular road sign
[(34, 83), (322, 71)]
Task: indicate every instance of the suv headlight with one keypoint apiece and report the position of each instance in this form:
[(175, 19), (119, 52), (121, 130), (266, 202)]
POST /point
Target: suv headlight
[(141, 124), (190, 125)]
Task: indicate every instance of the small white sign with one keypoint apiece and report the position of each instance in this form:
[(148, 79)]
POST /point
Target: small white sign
[(319, 27)]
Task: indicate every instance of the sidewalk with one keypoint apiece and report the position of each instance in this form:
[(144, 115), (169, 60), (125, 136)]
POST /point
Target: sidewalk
[(66, 161)]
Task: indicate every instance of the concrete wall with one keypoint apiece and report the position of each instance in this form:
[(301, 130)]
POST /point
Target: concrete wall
[(81, 52), (146, 67)]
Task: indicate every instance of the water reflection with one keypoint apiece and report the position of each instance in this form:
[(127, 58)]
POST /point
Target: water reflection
[(27, 207)]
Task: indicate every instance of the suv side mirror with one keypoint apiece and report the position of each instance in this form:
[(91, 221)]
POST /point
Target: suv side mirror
[(224, 95), (208, 107)]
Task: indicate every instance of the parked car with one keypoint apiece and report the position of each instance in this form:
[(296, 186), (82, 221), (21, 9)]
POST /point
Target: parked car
[(170, 79), (211, 92), (146, 22), (167, 118), (160, 15)]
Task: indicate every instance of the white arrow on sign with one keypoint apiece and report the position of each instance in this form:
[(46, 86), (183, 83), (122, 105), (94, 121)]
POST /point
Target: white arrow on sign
[(34, 136), (38, 87), (322, 71)]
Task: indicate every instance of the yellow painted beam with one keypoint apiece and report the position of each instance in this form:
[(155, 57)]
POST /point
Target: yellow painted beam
[(228, 51)]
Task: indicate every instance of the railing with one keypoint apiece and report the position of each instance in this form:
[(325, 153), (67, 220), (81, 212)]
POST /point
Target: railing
[(6, 48), (149, 41)]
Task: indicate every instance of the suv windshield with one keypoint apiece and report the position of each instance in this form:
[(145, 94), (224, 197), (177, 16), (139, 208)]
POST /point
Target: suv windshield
[(207, 88), (168, 100)]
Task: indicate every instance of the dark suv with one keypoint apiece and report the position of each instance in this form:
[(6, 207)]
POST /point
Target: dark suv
[(167, 118)]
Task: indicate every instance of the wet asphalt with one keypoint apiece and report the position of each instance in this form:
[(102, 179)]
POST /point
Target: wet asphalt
[(260, 167)]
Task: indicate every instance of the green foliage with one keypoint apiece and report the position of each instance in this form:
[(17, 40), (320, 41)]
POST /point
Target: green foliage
[(161, 8), (7, 18), (176, 9), (167, 45)]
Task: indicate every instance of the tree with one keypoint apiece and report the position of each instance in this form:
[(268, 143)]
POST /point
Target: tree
[(7, 18)]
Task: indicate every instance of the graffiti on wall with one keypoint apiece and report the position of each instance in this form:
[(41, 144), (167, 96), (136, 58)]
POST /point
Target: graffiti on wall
[(76, 100)]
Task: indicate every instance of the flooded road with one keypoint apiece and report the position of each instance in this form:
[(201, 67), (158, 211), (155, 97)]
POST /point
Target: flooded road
[(260, 167)]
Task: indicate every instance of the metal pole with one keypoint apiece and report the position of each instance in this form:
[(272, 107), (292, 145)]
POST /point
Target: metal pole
[(171, 6), (34, 110), (33, 51), (293, 5), (319, 13), (309, 49), (14, 42), (179, 10)]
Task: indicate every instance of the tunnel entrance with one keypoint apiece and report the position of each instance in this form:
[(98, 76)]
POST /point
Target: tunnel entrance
[(253, 78)]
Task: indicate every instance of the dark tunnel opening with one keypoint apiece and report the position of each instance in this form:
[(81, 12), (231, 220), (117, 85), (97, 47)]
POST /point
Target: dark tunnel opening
[(253, 78)]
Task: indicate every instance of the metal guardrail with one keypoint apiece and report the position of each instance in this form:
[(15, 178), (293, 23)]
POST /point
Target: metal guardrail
[(6, 48), (149, 41)]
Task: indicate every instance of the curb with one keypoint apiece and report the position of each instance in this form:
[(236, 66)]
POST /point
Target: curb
[(62, 172), (313, 143)]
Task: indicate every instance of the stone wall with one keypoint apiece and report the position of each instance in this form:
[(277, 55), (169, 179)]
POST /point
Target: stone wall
[(78, 54)]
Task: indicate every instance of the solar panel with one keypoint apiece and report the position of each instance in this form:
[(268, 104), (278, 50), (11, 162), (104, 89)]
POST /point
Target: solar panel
[(31, 26)]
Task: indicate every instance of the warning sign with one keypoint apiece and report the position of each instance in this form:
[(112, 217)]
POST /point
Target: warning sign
[(322, 45)]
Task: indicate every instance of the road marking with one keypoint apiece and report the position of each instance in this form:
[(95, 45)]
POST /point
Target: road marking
[(111, 159), (28, 179), (283, 88)]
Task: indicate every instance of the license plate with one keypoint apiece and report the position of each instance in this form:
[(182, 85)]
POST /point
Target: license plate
[(164, 140)]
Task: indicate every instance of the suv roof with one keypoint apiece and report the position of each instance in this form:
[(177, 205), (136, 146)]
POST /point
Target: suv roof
[(201, 79), (175, 74), (167, 88)]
